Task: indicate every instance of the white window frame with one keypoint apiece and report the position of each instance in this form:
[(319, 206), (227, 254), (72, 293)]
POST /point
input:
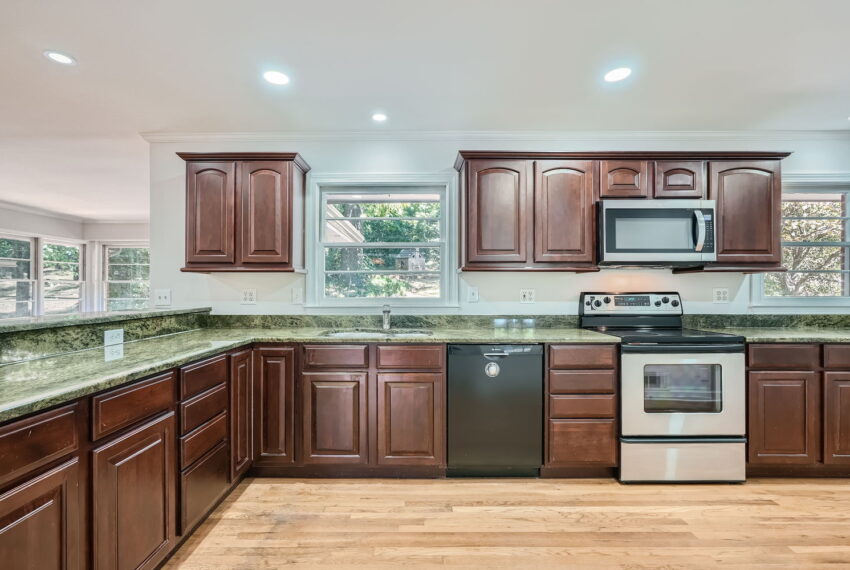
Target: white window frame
[(85, 286), (34, 269), (802, 184), (354, 182), (101, 264)]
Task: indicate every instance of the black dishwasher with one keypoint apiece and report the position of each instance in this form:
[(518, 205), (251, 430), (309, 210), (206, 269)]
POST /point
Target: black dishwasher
[(495, 410)]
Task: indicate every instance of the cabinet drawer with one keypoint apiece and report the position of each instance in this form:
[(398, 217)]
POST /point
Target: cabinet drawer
[(336, 356), (203, 439), (784, 356), (836, 356), (426, 357), (590, 406), (582, 382), (126, 406), (201, 376), (202, 485), (202, 408), (581, 356), (28, 444), (582, 442)]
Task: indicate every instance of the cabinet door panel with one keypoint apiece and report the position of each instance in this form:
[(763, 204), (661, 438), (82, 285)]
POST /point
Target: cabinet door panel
[(264, 203), (679, 179), (40, 522), (210, 203), (497, 210), (784, 418), (133, 497), (410, 419), (585, 442), (624, 179), (335, 420), (749, 197), (241, 419), (202, 485), (836, 407), (274, 406), (563, 211)]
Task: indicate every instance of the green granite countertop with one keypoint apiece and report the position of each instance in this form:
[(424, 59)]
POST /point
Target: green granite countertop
[(788, 334), (34, 385), (76, 319)]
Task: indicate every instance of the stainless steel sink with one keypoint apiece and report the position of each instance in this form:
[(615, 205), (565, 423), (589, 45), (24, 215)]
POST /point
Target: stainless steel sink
[(376, 333)]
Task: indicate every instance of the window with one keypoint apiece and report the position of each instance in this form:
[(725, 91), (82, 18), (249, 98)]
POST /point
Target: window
[(126, 277), (379, 244), (815, 251), (62, 278), (17, 285)]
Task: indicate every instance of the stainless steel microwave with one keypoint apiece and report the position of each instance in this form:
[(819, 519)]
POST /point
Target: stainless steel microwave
[(656, 232)]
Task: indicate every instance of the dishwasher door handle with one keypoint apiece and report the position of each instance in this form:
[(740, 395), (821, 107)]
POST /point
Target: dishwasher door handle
[(495, 354)]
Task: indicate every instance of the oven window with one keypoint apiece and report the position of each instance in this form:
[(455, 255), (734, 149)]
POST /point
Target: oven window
[(683, 388)]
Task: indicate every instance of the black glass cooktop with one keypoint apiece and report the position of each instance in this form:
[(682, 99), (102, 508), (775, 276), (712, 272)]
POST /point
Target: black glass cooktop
[(669, 336)]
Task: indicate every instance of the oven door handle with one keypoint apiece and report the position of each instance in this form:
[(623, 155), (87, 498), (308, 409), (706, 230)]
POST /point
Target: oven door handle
[(700, 226), (681, 348)]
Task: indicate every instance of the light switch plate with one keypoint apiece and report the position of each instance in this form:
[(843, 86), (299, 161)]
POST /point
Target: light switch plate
[(249, 297), (526, 295), (114, 336), (162, 298), (721, 294), (472, 294)]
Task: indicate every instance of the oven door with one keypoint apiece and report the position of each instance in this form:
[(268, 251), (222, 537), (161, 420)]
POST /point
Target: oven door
[(657, 231), (683, 394)]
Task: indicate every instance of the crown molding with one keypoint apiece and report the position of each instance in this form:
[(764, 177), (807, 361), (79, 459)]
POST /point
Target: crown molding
[(35, 211), (582, 137), (793, 180)]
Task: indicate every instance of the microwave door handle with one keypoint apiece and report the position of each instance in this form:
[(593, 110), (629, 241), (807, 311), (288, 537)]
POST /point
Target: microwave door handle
[(700, 220)]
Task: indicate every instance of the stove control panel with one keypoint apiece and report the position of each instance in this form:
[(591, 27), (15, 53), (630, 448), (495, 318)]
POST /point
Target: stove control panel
[(630, 304)]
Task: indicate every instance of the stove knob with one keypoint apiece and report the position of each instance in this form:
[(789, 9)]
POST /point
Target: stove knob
[(597, 303), (607, 299), (675, 303), (587, 303), (657, 303), (665, 299)]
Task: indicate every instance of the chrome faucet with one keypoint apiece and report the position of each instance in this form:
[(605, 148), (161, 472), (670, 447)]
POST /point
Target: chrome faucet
[(386, 311)]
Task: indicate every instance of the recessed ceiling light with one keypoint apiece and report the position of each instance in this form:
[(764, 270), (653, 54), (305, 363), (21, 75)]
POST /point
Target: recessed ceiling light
[(379, 117), (276, 77), (60, 58), (617, 74)]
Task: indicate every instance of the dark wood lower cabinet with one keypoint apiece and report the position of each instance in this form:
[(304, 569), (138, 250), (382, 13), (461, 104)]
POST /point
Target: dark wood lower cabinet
[(410, 421), (133, 497), (202, 485), (40, 522), (274, 406), (335, 420), (241, 416), (836, 411), (582, 442)]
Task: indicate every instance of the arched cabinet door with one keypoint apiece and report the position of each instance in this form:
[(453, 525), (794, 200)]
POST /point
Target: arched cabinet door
[(497, 211), (264, 212), (749, 201), (210, 202), (679, 179), (624, 178), (563, 211)]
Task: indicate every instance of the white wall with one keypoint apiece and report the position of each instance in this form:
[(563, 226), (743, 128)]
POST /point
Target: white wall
[(814, 152)]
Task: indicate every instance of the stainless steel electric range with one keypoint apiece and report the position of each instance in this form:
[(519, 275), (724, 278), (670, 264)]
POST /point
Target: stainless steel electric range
[(682, 391)]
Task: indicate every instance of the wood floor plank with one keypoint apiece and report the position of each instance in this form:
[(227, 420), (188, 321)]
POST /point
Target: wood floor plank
[(523, 523)]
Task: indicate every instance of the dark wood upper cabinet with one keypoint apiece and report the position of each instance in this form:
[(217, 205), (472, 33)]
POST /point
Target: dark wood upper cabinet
[(563, 211), (334, 423), (624, 178), (836, 421), (210, 212), (497, 211), (749, 200), (40, 524), (274, 406), (244, 211), (410, 418), (784, 418), (679, 179), (133, 497), (241, 416)]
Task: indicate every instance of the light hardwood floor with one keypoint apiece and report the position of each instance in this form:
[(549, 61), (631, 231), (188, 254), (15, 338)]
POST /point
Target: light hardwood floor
[(524, 523)]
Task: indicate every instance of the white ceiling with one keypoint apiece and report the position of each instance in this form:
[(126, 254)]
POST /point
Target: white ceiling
[(69, 135)]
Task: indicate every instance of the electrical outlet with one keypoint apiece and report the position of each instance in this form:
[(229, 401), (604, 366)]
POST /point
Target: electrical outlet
[(113, 352), (526, 295), (472, 294), (114, 336), (721, 294), (298, 296), (162, 298), (249, 297)]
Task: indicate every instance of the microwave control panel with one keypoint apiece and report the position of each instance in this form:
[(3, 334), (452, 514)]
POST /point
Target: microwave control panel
[(630, 304), (708, 246)]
